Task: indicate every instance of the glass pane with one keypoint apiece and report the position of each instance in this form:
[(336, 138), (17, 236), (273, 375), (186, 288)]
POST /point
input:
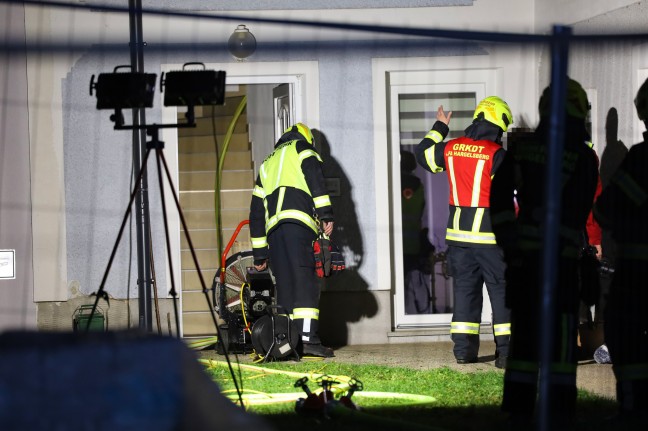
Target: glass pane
[(417, 113), (424, 202)]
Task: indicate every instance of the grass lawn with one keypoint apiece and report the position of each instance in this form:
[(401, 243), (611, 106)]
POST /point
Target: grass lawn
[(392, 398)]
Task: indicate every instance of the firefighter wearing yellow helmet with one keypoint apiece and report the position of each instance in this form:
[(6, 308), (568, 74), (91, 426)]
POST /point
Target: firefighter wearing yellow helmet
[(576, 103), (520, 234), (289, 202), (474, 257), (623, 208)]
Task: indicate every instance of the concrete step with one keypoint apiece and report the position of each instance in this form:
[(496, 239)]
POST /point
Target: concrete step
[(206, 144), (207, 239), (197, 323), (204, 200), (205, 126), (195, 301), (234, 160), (200, 238), (233, 90), (228, 108), (205, 219), (191, 279), (209, 258), (204, 180)]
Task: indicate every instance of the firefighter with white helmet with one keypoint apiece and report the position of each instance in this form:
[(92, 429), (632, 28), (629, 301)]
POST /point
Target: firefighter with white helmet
[(473, 256), (623, 208)]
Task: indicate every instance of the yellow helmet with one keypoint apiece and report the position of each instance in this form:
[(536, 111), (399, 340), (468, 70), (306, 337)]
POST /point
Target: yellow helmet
[(641, 101), (303, 130), (495, 111), (576, 104)]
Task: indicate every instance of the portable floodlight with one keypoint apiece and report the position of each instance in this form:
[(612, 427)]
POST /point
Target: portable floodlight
[(193, 87), (124, 90)]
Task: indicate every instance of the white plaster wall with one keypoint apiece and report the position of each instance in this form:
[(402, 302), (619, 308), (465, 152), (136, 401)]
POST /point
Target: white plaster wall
[(483, 15), (85, 28), (344, 106), (17, 308), (613, 69), (550, 12)]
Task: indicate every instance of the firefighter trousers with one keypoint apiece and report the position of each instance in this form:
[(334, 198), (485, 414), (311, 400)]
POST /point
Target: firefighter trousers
[(522, 369), (470, 268), (293, 265), (626, 335)]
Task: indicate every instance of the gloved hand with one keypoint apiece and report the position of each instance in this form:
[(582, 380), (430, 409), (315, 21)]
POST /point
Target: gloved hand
[(322, 252), (328, 258), (337, 260)]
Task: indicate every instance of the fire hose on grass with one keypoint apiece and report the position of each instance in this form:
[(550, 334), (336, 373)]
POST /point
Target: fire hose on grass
[(331, 401)]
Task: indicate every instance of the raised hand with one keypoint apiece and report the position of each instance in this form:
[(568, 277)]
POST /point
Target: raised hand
[(442, 116)]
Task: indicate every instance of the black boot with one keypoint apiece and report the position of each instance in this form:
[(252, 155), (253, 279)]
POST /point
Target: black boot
[(319, 350)]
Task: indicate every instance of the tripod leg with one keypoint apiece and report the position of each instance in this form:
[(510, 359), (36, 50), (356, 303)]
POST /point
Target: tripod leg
[(195, 259), (100, 291), (188, 237), (173, 291), (155, 295)]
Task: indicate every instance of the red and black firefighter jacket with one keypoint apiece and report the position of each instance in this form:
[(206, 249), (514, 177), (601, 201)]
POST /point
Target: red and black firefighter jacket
[(290, 188), (471, 162)]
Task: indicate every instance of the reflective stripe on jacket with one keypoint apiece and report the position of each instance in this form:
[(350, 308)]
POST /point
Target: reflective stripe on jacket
[(289, 188), (469, 164)]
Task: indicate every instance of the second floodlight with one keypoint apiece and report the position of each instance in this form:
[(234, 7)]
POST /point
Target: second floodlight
[(193, 87)]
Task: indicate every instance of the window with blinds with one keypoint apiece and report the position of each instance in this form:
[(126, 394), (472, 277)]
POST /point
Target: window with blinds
[(417, 113)]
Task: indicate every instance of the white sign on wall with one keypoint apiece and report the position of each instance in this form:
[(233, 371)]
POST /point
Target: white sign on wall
[(7, 264)]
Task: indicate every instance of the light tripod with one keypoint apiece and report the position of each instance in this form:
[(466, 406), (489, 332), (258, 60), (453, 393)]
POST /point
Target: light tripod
[(158, 146), (154, 144)]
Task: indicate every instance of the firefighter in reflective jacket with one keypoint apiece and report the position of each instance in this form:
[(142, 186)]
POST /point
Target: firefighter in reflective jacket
[(623, 208), (289, 202), (523, 176), (473, 255)]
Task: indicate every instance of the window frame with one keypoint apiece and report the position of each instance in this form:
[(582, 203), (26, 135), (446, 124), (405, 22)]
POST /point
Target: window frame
[(457, 78)]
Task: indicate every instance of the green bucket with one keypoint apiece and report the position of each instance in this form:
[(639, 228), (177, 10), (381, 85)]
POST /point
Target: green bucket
[(82, 317)]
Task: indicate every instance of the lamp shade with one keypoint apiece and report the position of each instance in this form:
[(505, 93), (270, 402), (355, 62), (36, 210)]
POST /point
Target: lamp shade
[(241, 43)]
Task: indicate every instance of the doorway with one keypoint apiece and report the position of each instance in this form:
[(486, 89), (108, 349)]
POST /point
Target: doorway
[(424, 295), (252, 139)]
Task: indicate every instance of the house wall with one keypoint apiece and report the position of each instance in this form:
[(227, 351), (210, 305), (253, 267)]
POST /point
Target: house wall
[(611, 70), (81, 167), (551, 12), (17, 308), (344, 79), (616, 70)]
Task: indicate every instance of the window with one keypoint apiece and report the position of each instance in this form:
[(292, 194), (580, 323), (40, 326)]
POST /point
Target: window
[(412, 101), (417, 113)]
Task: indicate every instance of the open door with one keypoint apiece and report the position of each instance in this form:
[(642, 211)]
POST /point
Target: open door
[(282, 109)]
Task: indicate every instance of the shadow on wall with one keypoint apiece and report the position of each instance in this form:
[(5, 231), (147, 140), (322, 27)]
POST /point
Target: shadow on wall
[(345, 297), (613, 154), (615, 150)]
